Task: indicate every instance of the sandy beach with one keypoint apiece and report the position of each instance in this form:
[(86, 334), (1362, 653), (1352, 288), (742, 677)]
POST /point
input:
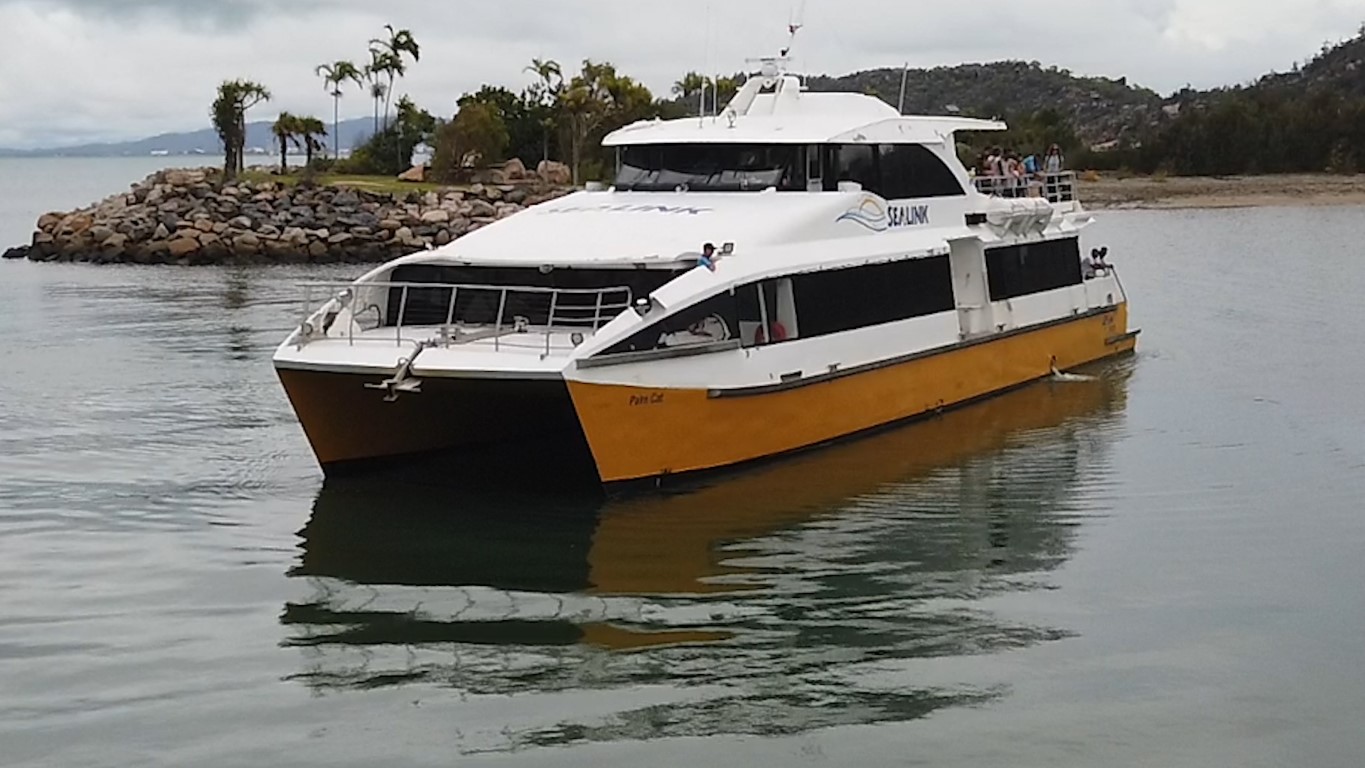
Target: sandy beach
[(1154, 192)]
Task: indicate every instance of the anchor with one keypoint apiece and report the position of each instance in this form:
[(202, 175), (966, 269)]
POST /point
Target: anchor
[(402, 380)]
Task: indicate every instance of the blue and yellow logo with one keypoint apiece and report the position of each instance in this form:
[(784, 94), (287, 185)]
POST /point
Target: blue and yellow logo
[(869, 213)]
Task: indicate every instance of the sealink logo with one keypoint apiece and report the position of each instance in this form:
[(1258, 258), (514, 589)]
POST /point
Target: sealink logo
[(878, 217), (869, 213), (908, 215)]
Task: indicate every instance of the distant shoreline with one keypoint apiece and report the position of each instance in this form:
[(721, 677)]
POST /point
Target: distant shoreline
[(1189, 192)]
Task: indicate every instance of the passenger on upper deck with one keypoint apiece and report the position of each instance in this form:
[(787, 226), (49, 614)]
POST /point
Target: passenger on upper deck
[(1053, 162)]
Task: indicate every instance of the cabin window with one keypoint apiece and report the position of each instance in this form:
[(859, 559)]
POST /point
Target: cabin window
[(844, 299), (711, 321), (851, 162), (479, 306), (767, 312), (913, 171), (1020, 270), (894, 171), (712, 167)]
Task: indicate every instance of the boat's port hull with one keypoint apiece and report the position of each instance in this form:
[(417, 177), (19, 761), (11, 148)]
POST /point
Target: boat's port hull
[(522, 427), (608, 433), (638, 432)]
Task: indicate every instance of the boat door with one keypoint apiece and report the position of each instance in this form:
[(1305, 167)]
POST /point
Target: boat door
[(971, 292)]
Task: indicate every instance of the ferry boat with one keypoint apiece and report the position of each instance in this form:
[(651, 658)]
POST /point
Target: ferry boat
[(860, 277)]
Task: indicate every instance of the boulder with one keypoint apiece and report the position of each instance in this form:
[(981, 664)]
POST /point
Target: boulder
[(436, 216), (555, 173), (514, 169), (417, 173), (317, 249), (241, 222), (18, 252), (182, 247), (442, 237), (204, 224), (99, 233), (49, 221), (340, 238), (247, 243), (482, 209), (391, 225), (161, 232)]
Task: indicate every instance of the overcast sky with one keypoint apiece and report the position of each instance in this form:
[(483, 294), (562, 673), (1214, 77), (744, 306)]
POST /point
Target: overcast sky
[(84, 70)]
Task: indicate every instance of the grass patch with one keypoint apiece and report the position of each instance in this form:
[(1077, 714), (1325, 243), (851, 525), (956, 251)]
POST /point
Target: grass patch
[(378, 184)]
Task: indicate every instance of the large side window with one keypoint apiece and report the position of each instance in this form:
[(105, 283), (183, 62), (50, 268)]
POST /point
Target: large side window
[(851, 162), (1020, 270), (858, 297), (912, 171), (708, 322)]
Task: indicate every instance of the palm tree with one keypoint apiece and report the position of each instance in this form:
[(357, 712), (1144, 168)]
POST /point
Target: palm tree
[(379, 93), (378, 90), (333, 76), (286, 132), (690, 86), (550, 87), (235, 97), (310, 131), (388, 58)]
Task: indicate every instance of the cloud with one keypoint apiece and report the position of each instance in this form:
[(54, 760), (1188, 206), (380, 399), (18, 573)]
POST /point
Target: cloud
[(83, 70)]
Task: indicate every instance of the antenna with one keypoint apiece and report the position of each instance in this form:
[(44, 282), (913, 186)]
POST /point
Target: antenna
[(794, 25), (905, 73)]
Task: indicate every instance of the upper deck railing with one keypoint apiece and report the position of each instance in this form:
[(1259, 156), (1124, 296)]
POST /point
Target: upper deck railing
[(455, 314), (1053, 187)]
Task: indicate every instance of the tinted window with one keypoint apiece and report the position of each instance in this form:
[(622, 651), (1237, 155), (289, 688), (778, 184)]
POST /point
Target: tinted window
[(712, 167), (910, 170), (851, 162), (430, 306), (858, 297), (1020, 270), (713, 320)]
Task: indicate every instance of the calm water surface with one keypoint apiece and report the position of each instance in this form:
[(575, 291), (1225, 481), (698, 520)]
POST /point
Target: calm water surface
[(1160, 567)]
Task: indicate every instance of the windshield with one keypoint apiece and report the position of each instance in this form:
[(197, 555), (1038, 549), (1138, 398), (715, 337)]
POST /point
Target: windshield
[(711, 167)]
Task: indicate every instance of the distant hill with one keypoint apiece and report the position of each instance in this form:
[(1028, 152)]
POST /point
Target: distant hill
[(1099, 109), (353, 134)]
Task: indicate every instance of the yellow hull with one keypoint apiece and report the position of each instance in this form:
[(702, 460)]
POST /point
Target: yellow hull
[(637, 432)]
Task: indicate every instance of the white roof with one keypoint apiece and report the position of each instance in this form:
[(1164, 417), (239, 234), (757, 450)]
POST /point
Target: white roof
[(616, 228), (790, 115)]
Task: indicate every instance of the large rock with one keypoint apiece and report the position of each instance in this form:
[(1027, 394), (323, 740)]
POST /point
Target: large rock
[(555, 173), (181, 247), (18, 252), (436, 216), (514, 169), (417, 173)]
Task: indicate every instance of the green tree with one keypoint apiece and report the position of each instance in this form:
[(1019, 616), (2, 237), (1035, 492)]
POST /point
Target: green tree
[(389, 152), (335, 75), (286, 131), (387, 58), (521, 114), (476, 138), (597, 101), (228, 112), (544, 95), (691, 89), (310, 131)]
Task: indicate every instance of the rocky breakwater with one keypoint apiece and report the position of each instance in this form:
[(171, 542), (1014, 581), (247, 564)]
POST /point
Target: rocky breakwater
[(192, 217)]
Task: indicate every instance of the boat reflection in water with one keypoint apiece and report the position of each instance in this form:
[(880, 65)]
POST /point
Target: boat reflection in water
[(773, 601)]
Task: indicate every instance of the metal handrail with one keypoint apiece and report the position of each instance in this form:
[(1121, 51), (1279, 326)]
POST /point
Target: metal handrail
[(569, 310), (1054, 187)]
